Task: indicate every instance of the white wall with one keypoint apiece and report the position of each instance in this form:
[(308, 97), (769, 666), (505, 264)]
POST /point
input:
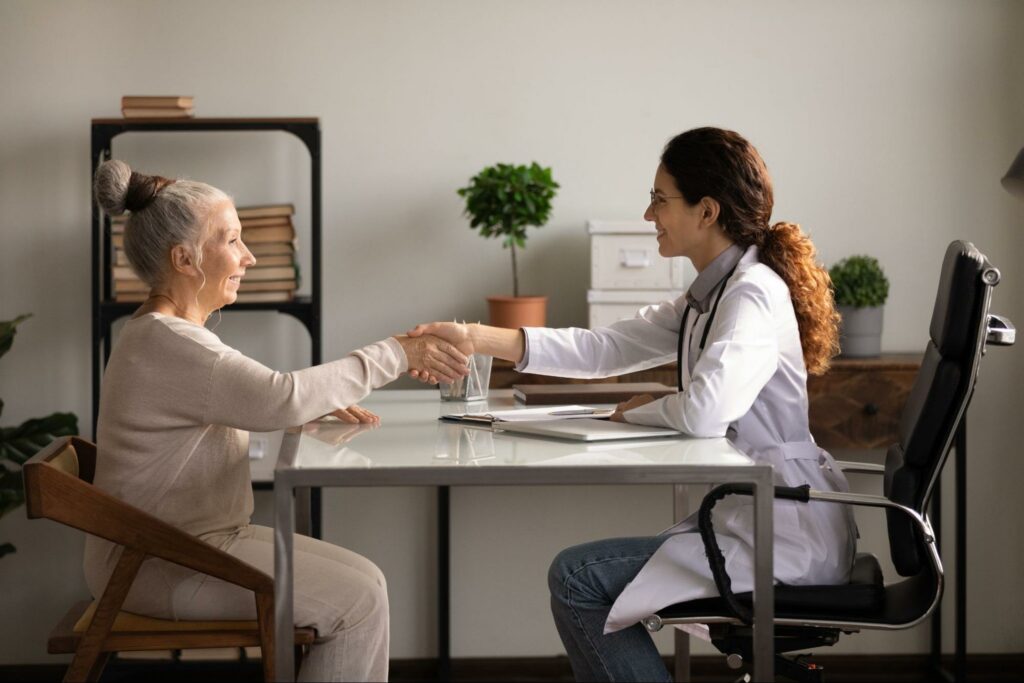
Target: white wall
[(886, 126)]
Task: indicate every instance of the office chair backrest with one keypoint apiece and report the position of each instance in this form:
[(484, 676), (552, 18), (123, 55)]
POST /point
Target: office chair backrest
[(939, 398)]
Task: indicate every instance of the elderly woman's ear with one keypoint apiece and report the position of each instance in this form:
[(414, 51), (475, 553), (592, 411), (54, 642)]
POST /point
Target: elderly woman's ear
[(182, 261)]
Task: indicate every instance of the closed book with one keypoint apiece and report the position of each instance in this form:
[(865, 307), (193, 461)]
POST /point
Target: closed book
[(117, 239), (259, 249), (121, 259), (158, 101), (273, 233), (131, 297), (122, 286), (609, 392), (269, 220), (275, 260), (123, 273), (265, 210), (156, 113), (269, 273), (268, 286), (264, 297)]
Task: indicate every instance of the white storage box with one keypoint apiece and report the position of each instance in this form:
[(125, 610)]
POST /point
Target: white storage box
[(624, 255), (607, 306)]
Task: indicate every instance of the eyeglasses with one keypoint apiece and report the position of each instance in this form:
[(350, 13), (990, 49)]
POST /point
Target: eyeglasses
[(659, 200)]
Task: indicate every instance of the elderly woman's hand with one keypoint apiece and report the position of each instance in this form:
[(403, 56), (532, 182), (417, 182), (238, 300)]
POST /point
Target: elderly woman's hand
[(457, 334), (355, 415), (433, 359)]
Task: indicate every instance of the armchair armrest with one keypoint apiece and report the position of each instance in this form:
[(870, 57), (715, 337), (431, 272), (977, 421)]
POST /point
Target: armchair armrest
[(59, 496), (860, 467), (804, 494)]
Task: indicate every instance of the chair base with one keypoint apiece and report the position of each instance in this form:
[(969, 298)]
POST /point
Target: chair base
[(735, 641)]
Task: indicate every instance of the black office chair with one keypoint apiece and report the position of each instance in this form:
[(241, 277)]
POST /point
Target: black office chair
[(814, 616)]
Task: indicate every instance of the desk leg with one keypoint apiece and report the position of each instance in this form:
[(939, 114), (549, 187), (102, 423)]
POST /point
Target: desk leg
[(680, 507), (284, 622), (304, 511), (444, 654), (764, 595)]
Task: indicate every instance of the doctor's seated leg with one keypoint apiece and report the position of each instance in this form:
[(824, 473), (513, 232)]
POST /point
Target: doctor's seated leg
[(584, 581)]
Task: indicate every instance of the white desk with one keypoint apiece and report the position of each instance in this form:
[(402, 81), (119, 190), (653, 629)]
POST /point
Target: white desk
[(412, 448)]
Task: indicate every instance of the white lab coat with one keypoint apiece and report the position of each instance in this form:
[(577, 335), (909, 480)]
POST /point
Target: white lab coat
[(749, 384)]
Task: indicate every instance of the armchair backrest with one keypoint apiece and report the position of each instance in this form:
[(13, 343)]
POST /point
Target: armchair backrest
[(58, 486), (938, 400)]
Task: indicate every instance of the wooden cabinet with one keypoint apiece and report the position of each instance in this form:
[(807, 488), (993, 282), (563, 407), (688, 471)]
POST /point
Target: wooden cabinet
[(855, 405)]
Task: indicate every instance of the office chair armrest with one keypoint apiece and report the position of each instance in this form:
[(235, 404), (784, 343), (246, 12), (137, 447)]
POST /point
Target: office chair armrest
[(716, 559), (860, 467)]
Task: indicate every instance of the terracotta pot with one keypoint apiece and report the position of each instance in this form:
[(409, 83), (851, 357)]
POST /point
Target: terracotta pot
[(517, 311)]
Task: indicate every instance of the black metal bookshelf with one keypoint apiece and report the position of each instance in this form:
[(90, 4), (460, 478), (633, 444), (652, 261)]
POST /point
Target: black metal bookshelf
[(106, 311)]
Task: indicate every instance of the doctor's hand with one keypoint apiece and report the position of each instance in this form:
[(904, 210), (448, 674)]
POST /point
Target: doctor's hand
[(457, 334), (634, 402), (433, 359)]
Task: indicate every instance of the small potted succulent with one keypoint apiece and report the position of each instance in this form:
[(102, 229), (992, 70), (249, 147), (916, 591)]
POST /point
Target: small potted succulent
[(502, 201), (861, 290)]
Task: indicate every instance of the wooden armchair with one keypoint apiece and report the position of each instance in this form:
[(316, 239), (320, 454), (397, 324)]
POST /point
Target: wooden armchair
[(58, 486)]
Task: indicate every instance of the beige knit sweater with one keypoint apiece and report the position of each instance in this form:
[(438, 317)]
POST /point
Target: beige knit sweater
[(175, 409)]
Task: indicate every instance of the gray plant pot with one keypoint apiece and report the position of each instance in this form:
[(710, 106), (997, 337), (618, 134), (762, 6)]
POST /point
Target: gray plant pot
[(860, 334)]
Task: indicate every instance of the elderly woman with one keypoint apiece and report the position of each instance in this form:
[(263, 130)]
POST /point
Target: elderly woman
[(175, 407)]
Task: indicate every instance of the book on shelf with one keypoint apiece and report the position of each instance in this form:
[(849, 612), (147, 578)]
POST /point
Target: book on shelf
[(156, 113), (260, 273), (121, 259), (275, 260), (268, 285), (265, 211), (128, 286), (268, 220), (123, 273), (265, 297), (264, 249), (608, 392), (161, 101), (269, 233)]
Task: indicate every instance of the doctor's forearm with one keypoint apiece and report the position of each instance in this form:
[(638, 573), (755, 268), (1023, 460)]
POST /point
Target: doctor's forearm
[(499, 342)]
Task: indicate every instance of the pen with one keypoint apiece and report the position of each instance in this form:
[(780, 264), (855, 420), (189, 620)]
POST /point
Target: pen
[(585, 411)]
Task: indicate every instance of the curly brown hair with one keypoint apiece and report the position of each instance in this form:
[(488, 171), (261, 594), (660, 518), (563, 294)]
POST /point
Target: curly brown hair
[(723, 165)]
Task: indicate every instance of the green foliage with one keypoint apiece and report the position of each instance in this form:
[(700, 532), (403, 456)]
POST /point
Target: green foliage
[(18, 444), (504, 199), (858, 281)]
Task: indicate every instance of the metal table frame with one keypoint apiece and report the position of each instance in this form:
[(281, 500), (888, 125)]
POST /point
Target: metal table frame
[(288, 481)]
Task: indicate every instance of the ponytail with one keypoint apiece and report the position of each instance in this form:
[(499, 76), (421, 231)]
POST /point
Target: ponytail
[(790, 253)]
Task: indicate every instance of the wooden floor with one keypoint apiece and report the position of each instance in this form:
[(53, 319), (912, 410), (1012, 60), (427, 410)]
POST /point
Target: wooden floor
[(706, 669)]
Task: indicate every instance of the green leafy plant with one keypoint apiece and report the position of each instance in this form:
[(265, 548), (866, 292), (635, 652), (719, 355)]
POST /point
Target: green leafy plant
[(504, 199), (859, 282), (18, 444)]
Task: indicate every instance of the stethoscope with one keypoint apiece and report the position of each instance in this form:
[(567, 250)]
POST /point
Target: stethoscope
[(704, 336)]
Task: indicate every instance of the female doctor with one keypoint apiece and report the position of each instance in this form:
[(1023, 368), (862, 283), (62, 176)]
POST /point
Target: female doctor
[(758, 317)]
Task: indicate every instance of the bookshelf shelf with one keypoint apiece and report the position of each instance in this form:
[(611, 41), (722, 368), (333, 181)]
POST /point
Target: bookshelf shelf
[(106, 311)]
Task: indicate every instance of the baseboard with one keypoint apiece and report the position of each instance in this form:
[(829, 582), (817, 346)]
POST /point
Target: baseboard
[(987, 668)]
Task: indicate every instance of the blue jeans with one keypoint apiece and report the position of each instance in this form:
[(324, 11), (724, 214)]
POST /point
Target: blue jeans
[(584, 581)]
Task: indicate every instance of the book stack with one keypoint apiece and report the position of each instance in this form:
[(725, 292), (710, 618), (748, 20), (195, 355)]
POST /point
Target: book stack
[(269, 234), (127, 285), (162, 107)]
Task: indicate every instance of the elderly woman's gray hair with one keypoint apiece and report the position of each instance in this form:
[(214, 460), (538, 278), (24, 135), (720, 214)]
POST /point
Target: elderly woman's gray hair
[(164, 213)]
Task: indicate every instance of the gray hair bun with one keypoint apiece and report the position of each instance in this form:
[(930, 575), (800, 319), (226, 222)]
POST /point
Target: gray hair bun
[(111, 186)]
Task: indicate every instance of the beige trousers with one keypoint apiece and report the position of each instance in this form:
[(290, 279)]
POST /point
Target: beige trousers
[(338, 592)]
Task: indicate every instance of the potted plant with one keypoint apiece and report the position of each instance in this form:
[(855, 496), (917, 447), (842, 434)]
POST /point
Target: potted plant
[(861, 289), (18, 444), (502, 201)]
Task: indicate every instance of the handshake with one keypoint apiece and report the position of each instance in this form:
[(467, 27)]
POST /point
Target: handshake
[(439, 352)]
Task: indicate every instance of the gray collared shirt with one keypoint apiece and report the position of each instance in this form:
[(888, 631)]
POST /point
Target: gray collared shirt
[(699, 294)]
